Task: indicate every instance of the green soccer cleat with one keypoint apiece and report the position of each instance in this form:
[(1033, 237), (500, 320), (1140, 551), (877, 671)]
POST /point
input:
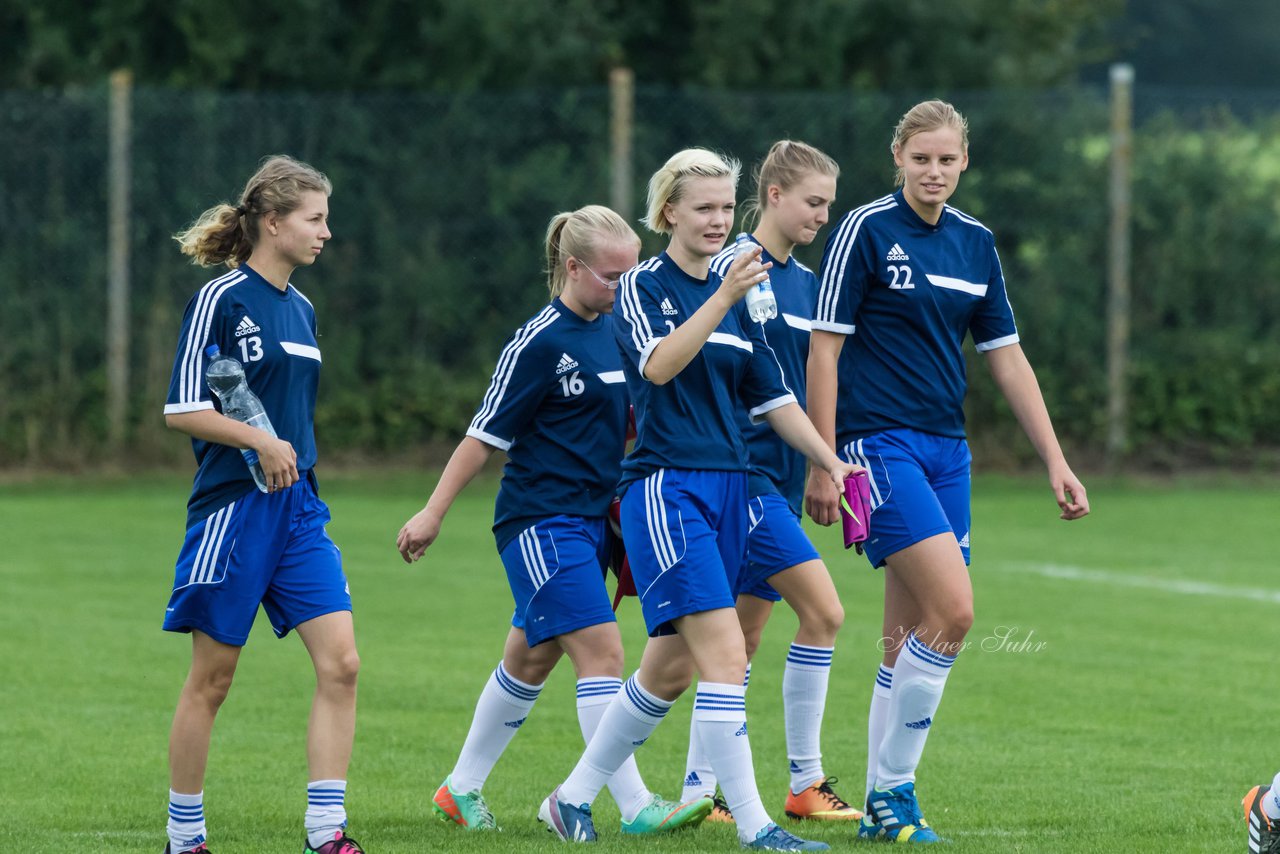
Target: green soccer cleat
[(465, 809), (663, 816)]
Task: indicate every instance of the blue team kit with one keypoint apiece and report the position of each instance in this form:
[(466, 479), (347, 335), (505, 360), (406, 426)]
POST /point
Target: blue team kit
[(243, 547), (889, 277)]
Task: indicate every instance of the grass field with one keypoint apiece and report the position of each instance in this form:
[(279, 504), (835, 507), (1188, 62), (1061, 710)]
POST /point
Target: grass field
[(1128, 708)]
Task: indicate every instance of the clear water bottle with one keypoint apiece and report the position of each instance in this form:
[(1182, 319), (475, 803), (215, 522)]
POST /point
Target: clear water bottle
[(225, 376), (761, 304)]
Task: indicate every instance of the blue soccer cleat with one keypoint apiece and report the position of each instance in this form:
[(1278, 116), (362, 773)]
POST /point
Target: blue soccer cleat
[(894, 816), (774, 838), (570, 823)]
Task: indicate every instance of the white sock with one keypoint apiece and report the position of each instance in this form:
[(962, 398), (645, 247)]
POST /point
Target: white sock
[(721, 714), (877, 722), (804, 697), (918, 680), (626, 786), (326, 810), (503, 705), (1271, 800), (699, 777), (628, 721), (186, 821)]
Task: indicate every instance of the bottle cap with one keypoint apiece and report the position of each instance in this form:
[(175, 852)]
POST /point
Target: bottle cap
[(212, 351)]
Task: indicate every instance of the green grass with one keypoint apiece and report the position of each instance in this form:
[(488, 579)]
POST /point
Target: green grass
[(1136, 725)]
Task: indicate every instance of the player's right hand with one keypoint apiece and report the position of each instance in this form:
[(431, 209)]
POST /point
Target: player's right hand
[(279, 463), (418, 534), (822, 498)]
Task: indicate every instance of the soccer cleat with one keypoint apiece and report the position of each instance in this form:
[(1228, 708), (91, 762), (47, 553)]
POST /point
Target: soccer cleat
[(663, 816), (720, 813), (199, 849), (774, 838), (570, 823), (1264, 834), (340, 844), (894, 816), (465, 809), (820, 803)]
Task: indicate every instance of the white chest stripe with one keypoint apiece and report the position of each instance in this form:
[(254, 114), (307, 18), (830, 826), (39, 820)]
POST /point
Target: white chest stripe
[(304, 350), (731, 340), (956, 285), (611, 377), (801, 323)]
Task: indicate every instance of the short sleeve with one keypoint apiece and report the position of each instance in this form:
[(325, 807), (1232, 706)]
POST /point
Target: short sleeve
[(844, 278), (203, 323), (993, 325), (764, 385), (515, 392), (639, 314)]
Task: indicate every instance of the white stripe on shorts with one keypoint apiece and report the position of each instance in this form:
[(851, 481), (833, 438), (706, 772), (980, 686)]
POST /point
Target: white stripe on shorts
[(655, 518), (858, 457), (534, 563), (206, 560)]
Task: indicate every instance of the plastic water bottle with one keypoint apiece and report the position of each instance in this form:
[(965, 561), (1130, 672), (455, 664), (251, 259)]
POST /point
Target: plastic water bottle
[(761, 304), (225, 376)]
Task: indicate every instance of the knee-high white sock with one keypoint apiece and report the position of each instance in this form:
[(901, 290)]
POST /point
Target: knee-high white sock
[(804, 698), (721, 713), (1271, 800), (503, 705), (628, 721), (186, 821), (918, 680), (626, 785), (326, 810), (699, 777), (877, 722)]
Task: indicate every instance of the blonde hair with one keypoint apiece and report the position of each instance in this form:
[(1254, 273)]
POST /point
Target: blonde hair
[(925, 117), (581, 234), (226, 234), (668, 184), (787, 164)]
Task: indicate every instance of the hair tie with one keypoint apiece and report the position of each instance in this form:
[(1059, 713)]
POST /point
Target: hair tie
[(241, 210)]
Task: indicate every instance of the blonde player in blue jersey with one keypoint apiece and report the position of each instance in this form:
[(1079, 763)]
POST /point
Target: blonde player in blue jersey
[(795, 185), (558, 407), (693, 360), (244, 547), (904, 280)]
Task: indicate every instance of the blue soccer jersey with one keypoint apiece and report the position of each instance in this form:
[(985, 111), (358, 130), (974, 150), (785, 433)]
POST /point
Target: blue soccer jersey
[(557, 405), (691, 422), (775, 465), (273, 334), (906, 293)]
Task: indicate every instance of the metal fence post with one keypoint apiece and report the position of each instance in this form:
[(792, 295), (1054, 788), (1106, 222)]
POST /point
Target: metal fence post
[(1118, 272), (622, 101), (118, 257)]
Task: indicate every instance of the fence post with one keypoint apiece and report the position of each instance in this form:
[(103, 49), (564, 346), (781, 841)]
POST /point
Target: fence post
[(118, 257), (622, 100), (1118, 270)]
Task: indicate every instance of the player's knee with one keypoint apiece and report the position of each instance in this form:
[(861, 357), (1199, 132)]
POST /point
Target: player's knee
[(958, 619), (823, 620), (752, 640), (211, 687), (340, 670)]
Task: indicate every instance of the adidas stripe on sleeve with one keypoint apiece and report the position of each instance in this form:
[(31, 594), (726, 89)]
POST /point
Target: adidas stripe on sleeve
[(188, 391), (516, 389)]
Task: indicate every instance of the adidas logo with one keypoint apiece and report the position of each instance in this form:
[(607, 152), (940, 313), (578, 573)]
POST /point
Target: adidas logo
[(924, 724), (693, 779), (795, 767), (667, 307), (742, 730), (515, 724), (640, 742), (964, 541), (566, 363), (247, 327), (896, 254)]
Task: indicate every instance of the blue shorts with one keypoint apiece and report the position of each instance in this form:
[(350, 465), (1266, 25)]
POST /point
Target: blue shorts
[(259, 549), (775, 542), (686, 537), (556, 572), (919, 489)]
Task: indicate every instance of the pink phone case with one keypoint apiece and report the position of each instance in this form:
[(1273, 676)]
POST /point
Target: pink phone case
[(855, 509)]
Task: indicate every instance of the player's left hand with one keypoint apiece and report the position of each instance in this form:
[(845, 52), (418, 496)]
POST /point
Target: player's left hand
[(1069, 491), (418, 534)]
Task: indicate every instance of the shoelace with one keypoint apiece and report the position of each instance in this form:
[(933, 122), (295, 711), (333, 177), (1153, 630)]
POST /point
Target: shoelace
[(835, 800), (342, 845)]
